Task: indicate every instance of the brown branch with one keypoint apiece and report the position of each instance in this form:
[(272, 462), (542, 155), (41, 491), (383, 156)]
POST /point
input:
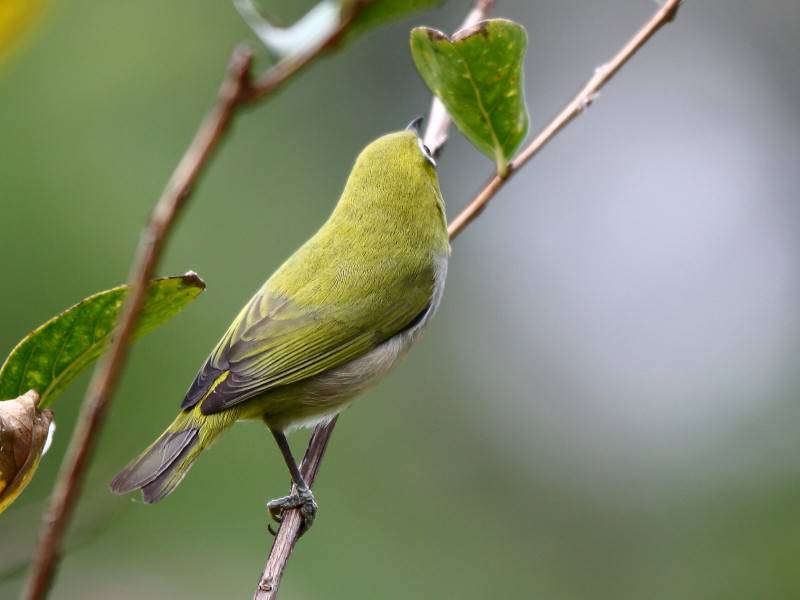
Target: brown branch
[(106, 375), (236, 91), (290, 527), (287, 68), (574, 107), (435, 138)]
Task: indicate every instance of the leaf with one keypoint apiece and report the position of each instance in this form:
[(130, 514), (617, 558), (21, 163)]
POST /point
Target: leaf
[(50, 357), (323, 20), (303, 35), (24, 435), (478, 76), (378, 12), (16, 19)]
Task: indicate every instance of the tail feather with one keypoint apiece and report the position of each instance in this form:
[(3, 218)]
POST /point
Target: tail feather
[(169, 478), (162, 466)]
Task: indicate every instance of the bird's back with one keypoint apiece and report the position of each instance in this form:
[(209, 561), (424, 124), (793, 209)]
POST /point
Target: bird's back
[(368, 273)]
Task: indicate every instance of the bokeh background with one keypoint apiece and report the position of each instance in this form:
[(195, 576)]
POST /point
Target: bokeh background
[(607, 404)]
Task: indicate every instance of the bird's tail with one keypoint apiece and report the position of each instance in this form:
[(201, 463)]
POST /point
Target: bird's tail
[(160, 468)]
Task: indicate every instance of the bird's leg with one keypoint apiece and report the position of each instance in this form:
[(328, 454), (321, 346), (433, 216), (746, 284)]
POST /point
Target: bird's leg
[(303, 498)]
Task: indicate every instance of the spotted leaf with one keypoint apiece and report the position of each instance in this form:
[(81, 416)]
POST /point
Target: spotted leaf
[(478, 76)]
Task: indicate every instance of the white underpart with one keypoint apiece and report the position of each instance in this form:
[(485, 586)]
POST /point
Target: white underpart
[(341, 385)]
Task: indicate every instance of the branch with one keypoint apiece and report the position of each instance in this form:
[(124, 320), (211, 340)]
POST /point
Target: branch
[(237, 90), (292, 521), (288, 67), (588, 93), (435, 138)]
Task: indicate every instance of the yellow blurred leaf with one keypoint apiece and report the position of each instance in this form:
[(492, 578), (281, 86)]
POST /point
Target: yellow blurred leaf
[(16, 16)]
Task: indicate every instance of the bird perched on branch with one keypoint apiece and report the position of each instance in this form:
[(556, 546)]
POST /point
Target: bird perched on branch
[(329, 323)]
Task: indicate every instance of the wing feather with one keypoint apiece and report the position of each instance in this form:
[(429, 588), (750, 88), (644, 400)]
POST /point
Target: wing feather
[(276, 341)]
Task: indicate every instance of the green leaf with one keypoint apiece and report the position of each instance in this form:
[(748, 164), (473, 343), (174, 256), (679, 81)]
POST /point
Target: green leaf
[(50, 357), (304, 34), (323, 20), (478, 76), (378, 12)]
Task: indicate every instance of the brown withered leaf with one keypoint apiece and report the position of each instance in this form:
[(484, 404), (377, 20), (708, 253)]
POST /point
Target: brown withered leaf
[(23, 435)]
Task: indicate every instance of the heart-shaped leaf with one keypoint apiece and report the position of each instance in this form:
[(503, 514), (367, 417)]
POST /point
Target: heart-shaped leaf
[(477, 74), (52, 355)]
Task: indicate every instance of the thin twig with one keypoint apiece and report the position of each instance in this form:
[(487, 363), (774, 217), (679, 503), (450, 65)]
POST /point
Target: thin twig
[(574, 107), (236, 91), (292, 64), (292, 522), (106, 375), (288, 534), (435, 139)]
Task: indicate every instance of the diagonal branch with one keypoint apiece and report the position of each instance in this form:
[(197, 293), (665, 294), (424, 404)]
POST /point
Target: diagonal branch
[(237, 90), (289, 531), (107, 373), (588, 93), (435, 137)]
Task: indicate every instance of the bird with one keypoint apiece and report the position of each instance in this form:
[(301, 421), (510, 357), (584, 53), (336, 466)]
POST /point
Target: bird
[(332, 321)]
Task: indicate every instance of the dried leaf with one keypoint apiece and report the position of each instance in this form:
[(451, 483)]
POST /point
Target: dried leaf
[(24, 433)]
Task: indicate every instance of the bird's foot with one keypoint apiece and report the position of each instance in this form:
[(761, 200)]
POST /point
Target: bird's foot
[(302, 499)]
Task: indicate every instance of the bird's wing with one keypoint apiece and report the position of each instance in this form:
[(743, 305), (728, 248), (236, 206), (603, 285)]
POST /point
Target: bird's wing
[(276, 341)]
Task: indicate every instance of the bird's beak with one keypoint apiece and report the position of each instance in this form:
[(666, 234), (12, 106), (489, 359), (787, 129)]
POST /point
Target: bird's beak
[(416, 126)]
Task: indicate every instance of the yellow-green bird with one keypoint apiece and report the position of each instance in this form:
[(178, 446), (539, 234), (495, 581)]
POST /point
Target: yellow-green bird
[(329, 323)]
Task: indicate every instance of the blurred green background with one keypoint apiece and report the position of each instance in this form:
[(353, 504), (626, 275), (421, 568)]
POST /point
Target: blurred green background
[(605, 407)]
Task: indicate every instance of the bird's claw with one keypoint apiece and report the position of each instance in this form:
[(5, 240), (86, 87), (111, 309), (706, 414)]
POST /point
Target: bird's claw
[(303, 500)]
